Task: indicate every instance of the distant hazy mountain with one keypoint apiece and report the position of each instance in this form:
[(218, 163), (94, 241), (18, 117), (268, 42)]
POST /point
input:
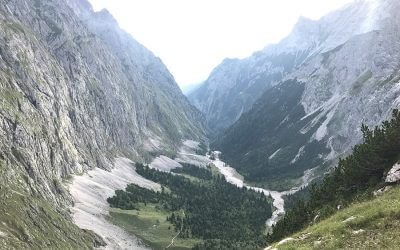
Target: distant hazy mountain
[(189, 89), (345, 72)]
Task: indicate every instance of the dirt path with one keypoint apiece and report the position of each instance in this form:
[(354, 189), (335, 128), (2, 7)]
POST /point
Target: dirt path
[(172, 241)]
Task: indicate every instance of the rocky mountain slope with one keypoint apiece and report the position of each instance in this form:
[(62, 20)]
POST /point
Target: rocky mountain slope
[(310, 118), (235, 84), (345, 209), (75, 92)]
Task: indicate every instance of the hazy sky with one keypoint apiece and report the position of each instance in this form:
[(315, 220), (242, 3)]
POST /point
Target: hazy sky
[(194, 36)]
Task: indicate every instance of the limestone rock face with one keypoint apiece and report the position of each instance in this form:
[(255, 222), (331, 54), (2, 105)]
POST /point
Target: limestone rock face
[(235, 85), (314, 114), (394, 174), (75, 92)]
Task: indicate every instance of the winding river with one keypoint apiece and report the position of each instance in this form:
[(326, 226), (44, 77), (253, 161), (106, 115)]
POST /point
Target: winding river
[(91, 190), (235, 178)]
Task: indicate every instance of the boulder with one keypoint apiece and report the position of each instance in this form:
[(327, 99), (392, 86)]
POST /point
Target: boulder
[(381, 191), (304, 236), (355, 232), (317, 243), (394, 174)]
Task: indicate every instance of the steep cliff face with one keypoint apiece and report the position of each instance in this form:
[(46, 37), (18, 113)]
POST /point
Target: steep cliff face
[(75, 91), (235, 85), (350, 78)]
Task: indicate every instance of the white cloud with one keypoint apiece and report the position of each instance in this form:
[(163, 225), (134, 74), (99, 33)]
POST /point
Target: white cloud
[(194, 36)]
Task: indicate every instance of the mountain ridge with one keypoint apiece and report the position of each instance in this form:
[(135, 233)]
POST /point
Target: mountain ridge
[(351, 78), (244, 84)]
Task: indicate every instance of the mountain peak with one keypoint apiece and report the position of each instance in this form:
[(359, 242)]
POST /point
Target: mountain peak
[(335, 28), (106, 16), (303, 22), (228, 60)]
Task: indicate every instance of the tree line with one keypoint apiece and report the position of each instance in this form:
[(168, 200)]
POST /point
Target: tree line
[(195, 171)]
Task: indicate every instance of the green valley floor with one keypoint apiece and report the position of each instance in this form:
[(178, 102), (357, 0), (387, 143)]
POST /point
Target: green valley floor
[(150, 225)]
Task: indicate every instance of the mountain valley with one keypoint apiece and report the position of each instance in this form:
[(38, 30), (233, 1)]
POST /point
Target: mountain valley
[(294, 147)]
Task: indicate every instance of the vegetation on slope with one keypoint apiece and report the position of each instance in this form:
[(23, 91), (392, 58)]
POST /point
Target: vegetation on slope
[(149, 223), (371, 224), (211, 209), (266, 146), (30, 222), (352, 180)]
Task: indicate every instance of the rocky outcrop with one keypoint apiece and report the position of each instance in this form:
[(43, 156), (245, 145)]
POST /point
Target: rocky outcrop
[(381, 191), (393, 175), (75, 91)]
